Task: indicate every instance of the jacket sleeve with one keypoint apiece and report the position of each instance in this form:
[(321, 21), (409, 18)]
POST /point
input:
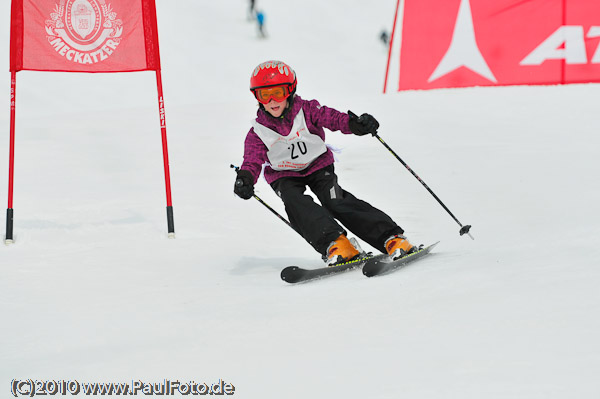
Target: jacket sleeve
[(255, 154), (329, 118)]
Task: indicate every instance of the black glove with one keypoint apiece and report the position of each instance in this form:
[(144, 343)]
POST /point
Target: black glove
[(361, 125), (244, 184)]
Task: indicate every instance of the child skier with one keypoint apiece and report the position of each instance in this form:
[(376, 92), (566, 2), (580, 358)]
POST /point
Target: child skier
[(288, 135)]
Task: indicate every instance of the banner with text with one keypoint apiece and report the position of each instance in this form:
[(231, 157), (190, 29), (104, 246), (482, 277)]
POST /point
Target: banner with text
[(460, 43), (84, 35)]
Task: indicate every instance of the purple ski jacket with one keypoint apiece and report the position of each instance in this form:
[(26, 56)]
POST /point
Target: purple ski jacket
[(317, 117)]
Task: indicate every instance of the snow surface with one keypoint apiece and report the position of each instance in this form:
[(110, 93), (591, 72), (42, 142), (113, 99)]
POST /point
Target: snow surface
[(93, 290)]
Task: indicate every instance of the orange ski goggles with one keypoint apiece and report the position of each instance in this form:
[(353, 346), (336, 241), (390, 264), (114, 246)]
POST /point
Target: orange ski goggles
[(277, 93)]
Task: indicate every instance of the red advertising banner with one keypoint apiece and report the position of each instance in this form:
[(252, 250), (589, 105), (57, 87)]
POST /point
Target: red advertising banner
[(84, 35), (459, 43)]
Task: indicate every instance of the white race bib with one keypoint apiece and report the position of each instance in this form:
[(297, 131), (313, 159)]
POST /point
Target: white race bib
[(292, 152)]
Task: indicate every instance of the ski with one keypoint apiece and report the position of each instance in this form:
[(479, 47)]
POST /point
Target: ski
[(383, 265), (372, 265), (295, 274)]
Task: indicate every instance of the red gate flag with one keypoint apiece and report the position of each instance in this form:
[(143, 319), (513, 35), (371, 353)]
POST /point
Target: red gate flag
[(84, 35), (459, 43)]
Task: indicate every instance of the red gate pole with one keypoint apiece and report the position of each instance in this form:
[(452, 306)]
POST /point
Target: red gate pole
[(11, 162), (387, 68), (163, 131), (563, 64)]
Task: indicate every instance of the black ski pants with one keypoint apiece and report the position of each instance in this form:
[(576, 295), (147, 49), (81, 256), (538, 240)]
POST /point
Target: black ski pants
[(317, 223)]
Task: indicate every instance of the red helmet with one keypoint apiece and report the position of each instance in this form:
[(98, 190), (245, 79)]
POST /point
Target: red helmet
[(273, 73)]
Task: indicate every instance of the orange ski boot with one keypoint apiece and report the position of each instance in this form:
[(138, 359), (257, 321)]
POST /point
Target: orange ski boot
[(341, 250), (398, 246)]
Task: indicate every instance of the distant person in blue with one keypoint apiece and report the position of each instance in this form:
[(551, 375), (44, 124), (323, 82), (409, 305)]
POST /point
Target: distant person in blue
[(260, 18)]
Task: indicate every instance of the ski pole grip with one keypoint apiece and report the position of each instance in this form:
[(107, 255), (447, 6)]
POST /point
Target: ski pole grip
[(238, 182)]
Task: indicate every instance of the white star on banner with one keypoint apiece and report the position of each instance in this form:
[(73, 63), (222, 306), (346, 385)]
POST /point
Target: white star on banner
[(463, 50)]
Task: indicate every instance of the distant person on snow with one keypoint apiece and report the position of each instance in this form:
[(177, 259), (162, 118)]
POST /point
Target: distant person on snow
[(260, 19), (384, 37), (251, 10), (288, 136)]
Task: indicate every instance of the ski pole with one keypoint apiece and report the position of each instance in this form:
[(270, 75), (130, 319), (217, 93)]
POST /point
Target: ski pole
[(256, 197), (463, 229)]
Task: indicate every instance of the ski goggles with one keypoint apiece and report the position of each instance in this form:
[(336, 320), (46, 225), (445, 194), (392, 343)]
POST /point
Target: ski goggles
[(277, 93)]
